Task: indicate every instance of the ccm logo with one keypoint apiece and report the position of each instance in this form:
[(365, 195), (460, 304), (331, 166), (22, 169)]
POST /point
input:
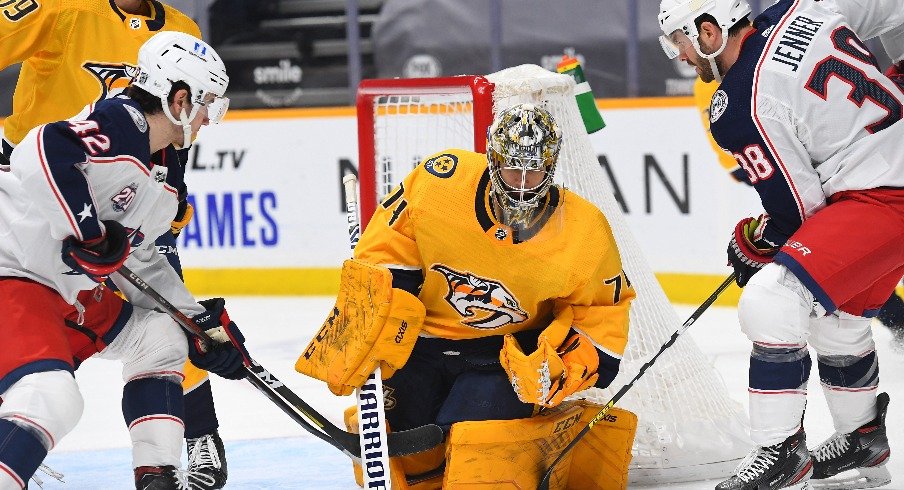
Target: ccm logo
[(321, 334), (401, 335), (567, 423)]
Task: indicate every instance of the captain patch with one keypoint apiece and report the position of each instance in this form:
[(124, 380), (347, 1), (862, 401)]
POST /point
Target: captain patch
[(442, 166)]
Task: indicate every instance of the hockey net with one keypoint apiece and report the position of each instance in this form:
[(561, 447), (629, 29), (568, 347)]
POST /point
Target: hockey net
[(689, 429)]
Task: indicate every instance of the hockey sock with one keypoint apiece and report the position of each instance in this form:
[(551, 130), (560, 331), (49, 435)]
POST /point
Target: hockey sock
[(153, 410), (777, 391), (850, 384), (200, 413), (20, 453)]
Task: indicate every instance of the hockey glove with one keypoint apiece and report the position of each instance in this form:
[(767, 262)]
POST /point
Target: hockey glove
[(582, 364), (98, 258), (183, 217), (748, 251), (535, 377), (227, 356)]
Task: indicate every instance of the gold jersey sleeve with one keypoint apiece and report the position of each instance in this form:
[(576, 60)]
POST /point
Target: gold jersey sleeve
[(74, 53), (481, 277), (703, 95)]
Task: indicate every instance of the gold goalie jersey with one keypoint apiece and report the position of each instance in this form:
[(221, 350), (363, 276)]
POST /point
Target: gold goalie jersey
[(483, 278), (74, 52)]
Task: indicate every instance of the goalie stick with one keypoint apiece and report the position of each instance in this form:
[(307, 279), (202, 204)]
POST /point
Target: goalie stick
[(369, 397), (399, 443), (544, 483)]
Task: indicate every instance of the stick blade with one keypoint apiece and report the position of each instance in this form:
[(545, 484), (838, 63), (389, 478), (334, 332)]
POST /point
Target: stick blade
[(415, 440)]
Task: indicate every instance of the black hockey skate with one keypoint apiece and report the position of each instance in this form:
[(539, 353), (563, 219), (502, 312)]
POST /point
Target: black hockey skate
[(783, 465), (207, 458), (856, 459), (159, 478)]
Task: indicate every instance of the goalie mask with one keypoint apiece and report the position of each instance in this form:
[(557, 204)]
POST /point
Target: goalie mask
[(677, 18), (169, 57), (522, 151)]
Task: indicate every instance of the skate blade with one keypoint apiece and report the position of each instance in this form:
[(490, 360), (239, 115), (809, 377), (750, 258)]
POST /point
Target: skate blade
[(857, 478)]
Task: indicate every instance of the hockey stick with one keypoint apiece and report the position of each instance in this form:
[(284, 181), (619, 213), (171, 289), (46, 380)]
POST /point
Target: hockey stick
[(369, 397), (544, 483), (399, 443)]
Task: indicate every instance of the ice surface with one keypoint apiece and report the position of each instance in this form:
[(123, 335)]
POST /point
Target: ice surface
[(266, 449)]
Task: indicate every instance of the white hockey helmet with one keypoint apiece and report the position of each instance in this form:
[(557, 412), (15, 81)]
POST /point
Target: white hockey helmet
[(680, 15), (169, 57)]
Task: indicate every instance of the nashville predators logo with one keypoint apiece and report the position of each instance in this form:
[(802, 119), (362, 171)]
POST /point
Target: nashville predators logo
[(442, 166), (469, 294), (113, 77)]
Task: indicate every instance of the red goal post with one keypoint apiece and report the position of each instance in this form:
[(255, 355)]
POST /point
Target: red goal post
[(413, 96)]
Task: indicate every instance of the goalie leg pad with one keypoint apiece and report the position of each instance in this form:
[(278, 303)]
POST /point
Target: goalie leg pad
[(371, 325), (511, 453), (602, 456), (421, 471)]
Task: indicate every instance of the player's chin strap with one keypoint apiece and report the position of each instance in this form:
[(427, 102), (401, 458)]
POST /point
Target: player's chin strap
[(186, 127)]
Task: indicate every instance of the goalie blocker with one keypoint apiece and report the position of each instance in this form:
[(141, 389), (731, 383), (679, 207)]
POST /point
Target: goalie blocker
[(515, 453), (372, 324)]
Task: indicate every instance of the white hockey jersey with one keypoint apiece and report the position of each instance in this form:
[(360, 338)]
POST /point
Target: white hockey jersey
[(67, 177), (806, 110)]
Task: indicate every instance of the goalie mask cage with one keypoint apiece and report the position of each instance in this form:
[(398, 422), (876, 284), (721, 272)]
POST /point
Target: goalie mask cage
[(689, 429)]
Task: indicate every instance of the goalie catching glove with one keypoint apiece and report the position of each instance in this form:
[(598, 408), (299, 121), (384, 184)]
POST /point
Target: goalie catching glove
[(748, 251), (549, 375), (227, 355), (372, 324)]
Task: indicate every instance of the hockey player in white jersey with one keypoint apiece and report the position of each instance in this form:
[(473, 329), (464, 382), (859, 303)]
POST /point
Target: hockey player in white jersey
[(79, 201), (816, 126)]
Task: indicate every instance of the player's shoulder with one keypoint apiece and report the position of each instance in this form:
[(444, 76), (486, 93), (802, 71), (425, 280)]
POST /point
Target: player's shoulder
[(585, 223), (175, 20), (25, 14), (121, 111), (123, 122), (453, 164), (582, 211)]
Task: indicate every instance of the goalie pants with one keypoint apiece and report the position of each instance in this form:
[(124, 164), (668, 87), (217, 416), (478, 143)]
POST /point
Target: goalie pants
[(448, 381)]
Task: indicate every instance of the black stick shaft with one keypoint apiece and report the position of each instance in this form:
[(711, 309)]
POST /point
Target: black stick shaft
[(399, 443), (265, 382)]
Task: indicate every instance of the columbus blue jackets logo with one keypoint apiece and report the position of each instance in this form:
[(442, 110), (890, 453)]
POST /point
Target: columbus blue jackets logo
[(442, 166), (113, 77), (487, 303), (718, 105)]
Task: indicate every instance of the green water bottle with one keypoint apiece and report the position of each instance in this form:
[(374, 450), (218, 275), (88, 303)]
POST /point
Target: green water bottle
[(570, 66)]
